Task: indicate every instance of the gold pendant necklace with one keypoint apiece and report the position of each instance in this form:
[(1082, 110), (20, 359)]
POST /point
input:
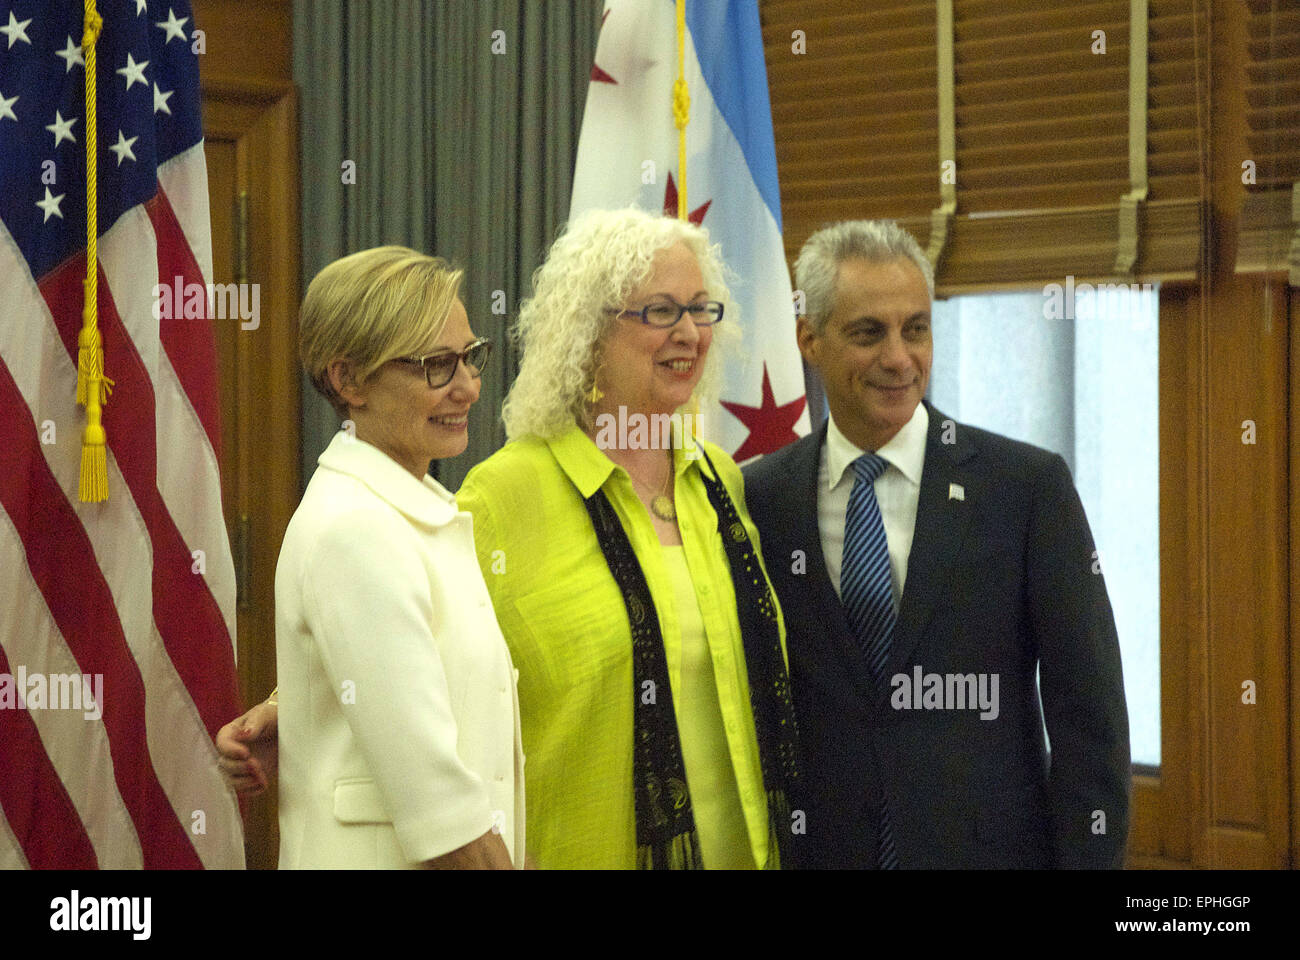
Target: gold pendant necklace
[(661, 504), (663, 508)]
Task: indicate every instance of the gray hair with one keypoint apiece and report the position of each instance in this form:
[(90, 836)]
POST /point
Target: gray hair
[(598, 260), (819, 261)]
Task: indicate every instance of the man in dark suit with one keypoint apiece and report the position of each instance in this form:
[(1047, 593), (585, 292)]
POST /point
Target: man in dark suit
[(927, 597)]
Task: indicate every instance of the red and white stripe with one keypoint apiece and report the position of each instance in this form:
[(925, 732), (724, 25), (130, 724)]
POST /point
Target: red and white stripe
[(108, 588)]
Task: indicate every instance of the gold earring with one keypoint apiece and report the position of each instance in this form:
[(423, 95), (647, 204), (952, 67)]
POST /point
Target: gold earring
[(594, 396)]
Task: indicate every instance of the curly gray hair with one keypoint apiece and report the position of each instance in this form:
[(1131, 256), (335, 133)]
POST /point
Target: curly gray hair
[(596, 263)]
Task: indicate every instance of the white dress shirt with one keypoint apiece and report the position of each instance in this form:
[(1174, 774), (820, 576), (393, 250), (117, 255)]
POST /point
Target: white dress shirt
[(898, 489)]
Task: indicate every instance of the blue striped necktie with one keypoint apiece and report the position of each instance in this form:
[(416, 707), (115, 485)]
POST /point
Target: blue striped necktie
[(867, 592)]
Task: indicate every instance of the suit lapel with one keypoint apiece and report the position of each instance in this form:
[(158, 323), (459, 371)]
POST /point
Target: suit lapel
[(941, 524)]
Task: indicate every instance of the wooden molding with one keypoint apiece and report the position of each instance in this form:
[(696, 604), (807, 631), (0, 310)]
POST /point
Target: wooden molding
[(1292, 305), (247, 90), (1222, 797), (1157, 863), (1167, 808), (251, 134)]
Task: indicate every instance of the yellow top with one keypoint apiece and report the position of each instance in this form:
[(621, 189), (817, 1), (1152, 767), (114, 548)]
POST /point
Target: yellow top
[(566, 625), (715, 798)]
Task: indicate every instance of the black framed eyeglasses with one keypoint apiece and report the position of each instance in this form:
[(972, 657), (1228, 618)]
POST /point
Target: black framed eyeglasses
[(440, 367), (667, 314)]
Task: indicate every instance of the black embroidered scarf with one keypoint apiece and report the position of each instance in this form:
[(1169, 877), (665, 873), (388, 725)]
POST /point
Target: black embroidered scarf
[(665, 825)]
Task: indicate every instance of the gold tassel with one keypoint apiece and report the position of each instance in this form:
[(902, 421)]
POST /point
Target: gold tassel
[(93, 487)]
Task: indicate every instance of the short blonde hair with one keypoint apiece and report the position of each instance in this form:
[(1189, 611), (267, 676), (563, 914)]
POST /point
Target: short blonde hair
[(371, 307), (598, 260)]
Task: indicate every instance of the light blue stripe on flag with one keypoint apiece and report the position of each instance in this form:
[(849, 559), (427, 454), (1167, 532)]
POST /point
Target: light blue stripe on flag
[(729, 44)]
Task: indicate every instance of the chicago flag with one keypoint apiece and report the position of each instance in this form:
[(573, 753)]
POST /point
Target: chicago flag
[(627, 154)]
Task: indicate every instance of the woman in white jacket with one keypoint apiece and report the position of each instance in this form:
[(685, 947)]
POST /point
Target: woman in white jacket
[(398, 716)]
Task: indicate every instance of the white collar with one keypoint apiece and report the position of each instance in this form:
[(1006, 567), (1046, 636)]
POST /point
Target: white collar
[(426, 501), (905, 449)]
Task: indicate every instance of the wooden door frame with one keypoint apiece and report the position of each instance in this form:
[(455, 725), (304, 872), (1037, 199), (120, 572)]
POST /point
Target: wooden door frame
[(1180, 818), (260, 118)]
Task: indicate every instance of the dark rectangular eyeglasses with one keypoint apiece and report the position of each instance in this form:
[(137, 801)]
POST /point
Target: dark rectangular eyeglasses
[(667, 314), (440, 367)]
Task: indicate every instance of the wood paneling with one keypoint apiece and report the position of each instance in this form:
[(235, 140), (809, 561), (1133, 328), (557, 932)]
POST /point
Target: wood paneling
[(1247, 561), (1163, 807), (1222, 797), (1246, 813), (1293, 498), (247, 39), (251, 134)]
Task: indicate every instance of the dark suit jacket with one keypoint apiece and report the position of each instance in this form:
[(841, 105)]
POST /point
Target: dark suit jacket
[(999, 583)]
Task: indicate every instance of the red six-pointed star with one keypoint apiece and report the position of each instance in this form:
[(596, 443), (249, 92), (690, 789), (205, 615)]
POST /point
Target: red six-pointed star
[(670, 204), (771, 427)]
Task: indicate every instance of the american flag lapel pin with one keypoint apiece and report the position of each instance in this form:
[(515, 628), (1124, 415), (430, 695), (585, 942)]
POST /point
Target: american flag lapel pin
[(956, 491)]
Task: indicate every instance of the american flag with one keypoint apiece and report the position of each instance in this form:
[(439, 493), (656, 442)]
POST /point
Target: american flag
[(138, 590)]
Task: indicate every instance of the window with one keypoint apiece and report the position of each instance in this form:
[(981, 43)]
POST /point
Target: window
[(1073, 369)]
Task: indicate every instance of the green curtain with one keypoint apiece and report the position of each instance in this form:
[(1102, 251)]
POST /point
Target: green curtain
[(458, 150)]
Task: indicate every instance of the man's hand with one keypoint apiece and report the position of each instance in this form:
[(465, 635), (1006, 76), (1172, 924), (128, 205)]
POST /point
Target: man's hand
[(488, 852), (249, 747)]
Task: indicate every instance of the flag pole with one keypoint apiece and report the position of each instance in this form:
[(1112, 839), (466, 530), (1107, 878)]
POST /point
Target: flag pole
[(681, 110), (681, 117), (93, 387)]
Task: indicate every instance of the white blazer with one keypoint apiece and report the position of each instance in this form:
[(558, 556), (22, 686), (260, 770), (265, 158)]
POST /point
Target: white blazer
[(399, 717)]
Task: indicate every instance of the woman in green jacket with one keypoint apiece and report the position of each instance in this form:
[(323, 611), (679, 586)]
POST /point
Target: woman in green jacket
[(624, 568)]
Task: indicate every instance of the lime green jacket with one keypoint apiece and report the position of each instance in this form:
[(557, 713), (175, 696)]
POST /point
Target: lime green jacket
[(566, 625)]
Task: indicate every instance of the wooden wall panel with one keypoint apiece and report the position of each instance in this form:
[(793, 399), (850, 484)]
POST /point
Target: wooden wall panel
[(1293, 499), (1246, 566), (251, 137), (248, 38), (1224, 794)]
